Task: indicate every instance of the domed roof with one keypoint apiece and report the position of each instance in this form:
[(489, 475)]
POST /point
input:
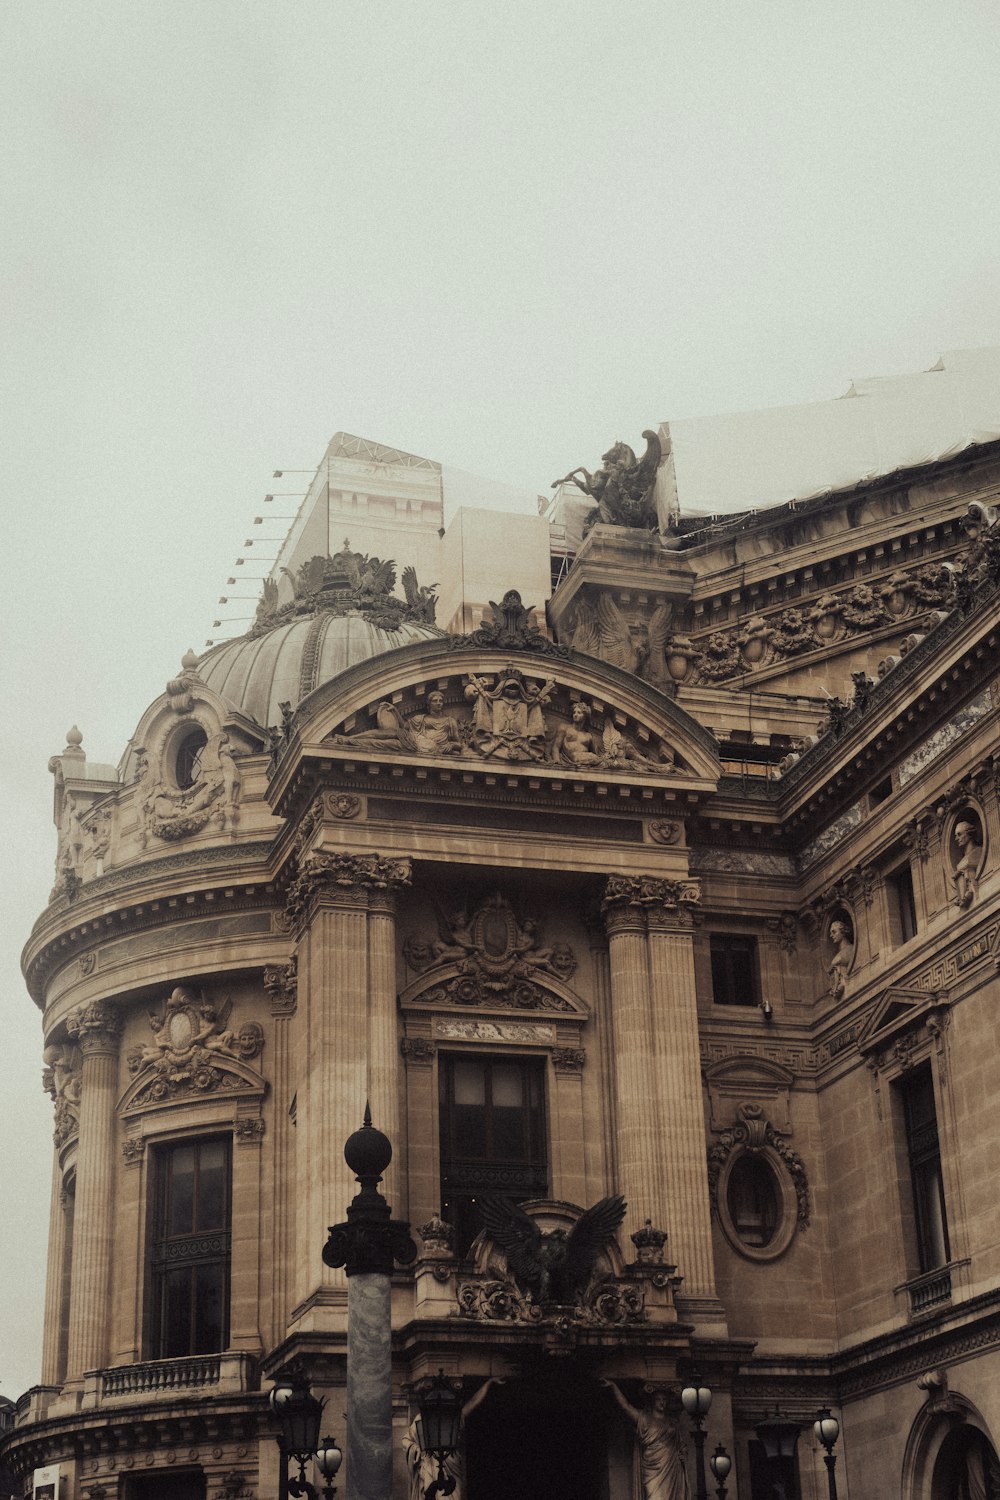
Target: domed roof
[(257, 673)]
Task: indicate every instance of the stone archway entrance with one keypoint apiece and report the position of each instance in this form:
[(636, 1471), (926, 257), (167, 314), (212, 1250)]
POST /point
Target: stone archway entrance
[(553, 1434), (966, 1467)]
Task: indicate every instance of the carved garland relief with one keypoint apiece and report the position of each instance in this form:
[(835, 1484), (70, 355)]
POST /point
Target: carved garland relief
[(758, 1186), (833, 617)]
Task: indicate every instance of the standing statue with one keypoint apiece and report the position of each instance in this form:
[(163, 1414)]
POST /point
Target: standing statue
[(623, 487), (965, 876), (843, 956), (661, 1446)]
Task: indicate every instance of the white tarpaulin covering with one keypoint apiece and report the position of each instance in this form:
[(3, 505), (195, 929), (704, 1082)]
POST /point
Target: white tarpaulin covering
[(752, 459)]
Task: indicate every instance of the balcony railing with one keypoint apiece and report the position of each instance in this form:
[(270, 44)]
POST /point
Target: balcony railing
[(164, 1377), (929, 1291)]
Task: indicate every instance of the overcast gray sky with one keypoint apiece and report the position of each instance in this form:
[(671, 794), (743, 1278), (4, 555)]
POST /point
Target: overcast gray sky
[(498, 235)]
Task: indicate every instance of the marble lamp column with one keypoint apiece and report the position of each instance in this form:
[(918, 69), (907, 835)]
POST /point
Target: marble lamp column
[(96, 1028), (366, 1246)]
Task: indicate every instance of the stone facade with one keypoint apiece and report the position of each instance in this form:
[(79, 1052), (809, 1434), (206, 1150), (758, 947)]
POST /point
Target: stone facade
[(696, 876)]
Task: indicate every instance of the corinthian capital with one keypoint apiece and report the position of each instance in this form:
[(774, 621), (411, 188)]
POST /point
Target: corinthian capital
[(95, 1027), (646, 900), (348, 876)]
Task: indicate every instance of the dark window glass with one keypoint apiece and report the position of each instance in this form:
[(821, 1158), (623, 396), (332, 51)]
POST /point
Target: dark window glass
[(924, 1154), (900, 884), (187, 766), (190, 1250), (753, 1200), (734, 969), (492, 1136)]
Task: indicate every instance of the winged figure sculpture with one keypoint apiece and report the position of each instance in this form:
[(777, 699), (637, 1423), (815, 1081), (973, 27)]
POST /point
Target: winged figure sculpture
[(554, 1265)]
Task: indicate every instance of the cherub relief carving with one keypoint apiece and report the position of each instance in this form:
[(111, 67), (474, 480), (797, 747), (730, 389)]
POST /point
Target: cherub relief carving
[(499, 958), (191, 1045)]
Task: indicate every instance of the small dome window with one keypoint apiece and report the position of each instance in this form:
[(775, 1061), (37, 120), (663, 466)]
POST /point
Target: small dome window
[(187, 761), (753, 1198)]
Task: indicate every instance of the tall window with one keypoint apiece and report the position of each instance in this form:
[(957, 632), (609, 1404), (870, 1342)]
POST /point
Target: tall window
[(924, 1156), (734, 969), (492, 1136), (903, 907), (190, 1250)]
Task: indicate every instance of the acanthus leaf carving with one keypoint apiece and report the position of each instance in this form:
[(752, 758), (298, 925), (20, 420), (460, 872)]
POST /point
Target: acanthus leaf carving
[(322, 870)]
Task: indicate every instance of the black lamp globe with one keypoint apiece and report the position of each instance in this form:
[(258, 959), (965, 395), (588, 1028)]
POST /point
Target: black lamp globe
[(826, 1428), (696, 1399), (440, 1418), (720, 1463), (329, 1457)]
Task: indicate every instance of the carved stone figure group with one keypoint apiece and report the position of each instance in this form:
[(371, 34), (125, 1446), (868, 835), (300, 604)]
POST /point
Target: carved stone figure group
[(508, 722)]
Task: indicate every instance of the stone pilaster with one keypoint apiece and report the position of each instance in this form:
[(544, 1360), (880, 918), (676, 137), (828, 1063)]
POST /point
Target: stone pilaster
[(678, 1088), (344, 1012), (281, 984), (658, 1099), (96, 1029), (640, 1176)]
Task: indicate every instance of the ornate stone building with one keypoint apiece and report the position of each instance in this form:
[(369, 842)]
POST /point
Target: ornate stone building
[(684, 887)]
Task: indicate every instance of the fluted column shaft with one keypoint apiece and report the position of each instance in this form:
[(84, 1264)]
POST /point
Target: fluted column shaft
[(97, 1029), (383, 1039), (677, 1062), (53, 1346), (658, 1096), (343, 911), (640, 1177)]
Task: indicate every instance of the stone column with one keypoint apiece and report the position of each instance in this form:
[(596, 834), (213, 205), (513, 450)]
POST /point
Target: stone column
[(281, 984), (96, 1029), (640, 1176), (328, 903), (383, 1031), (677, 1062), (53, 1347)]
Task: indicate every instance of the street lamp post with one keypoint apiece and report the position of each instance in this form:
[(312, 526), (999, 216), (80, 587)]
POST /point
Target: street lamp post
[(696, 1400), (720, 1464), (299, 1414), (438, 1424), (366, 1245), (827, 1430)]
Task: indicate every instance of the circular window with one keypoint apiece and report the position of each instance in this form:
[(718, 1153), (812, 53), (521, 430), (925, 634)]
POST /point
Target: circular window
[(753, 1200), (187, 761), (756, 1201)]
